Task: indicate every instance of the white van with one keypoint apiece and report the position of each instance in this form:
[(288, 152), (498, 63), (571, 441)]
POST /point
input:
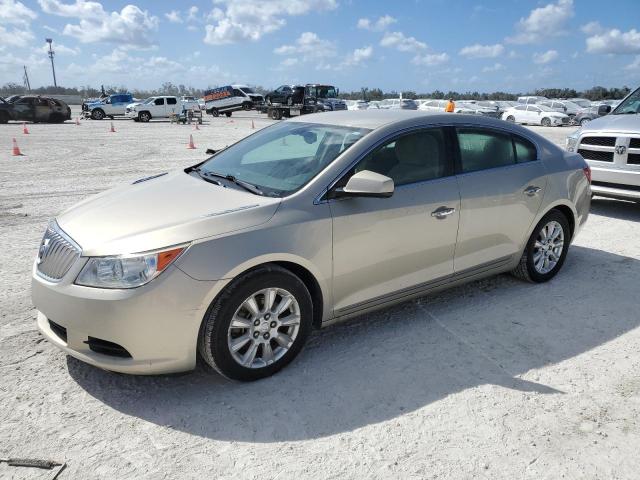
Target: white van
[(231, 98)]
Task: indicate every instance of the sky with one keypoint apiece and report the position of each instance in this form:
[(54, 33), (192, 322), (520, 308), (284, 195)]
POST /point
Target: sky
[(418, 45)]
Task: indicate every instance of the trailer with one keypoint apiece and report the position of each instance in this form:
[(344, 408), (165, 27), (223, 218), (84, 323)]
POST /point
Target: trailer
[(278, 111)]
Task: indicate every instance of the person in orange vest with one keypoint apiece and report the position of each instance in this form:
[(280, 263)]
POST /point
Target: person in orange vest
[(450, 108)]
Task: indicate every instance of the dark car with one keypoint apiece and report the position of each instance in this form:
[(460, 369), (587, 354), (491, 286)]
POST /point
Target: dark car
[(13, 98), (5, 111), (286, 94), (585, 115), (40, 109)]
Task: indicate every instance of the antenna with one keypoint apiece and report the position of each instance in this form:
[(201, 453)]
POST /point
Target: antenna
[(27, 85), (51, 54)]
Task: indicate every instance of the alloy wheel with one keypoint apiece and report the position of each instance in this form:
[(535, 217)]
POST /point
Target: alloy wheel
[(264, 328), (548, 247)]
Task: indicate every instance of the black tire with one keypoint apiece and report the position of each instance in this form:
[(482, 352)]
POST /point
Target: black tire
[(511, 118), (144, 117), (212, 340), (545, 122), (276, 114), (97, 114), (246, 106), (526, 270), (228, 114), (4, 117), (214, 112)]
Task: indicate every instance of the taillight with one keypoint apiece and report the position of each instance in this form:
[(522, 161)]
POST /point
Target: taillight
[(587, 173)]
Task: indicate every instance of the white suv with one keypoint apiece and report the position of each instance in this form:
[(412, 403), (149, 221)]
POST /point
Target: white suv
[(154, 107)]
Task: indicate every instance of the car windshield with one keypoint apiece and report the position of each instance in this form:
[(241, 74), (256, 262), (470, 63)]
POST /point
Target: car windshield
[(284, 157), (247, 90), (149, 100), (631, 104), (324, 91), (544, 108)]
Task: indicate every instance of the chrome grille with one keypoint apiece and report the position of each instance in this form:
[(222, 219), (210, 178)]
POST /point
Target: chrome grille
[(57, 253)]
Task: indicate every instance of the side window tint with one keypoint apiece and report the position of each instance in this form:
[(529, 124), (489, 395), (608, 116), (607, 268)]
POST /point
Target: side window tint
[(159, 101), (172, 101), (482, 149), (525, 150), (414, 157), (237, 93)]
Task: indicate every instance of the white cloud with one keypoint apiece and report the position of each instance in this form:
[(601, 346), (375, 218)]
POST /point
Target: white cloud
[(614, 41), (635, 65), (173, 16), (240, 20), (377, 26), (591, 28), (308, 46), (545, 57), (15, 13), (60, 49), (430, 59), (402, 43), (131, 26), (482, 51), (496, 67), (15, 37), (359, 56), (543, 22), (192, 14)]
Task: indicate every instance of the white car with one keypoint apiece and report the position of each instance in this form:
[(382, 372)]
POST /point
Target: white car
[(357, 105), (433, 105), (533, 114), (155, 107)]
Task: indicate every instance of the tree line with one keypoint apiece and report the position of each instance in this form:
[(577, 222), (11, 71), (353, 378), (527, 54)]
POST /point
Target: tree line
[(168, 88)]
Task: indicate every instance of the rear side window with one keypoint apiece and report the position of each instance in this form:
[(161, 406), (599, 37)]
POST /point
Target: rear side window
[(525, 150), (482, 149), (172, 101)]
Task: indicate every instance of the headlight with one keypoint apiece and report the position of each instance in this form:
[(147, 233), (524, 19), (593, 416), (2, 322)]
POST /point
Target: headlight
[(128, 271), (572, 140)]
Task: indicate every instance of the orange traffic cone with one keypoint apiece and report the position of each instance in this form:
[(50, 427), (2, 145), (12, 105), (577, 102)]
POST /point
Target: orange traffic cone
[(191, 145), (113, 130), (25, 130), (16, 150), (253, 126)]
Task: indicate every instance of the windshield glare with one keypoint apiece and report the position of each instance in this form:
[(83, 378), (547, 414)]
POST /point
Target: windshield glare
[(630, 105), (149, 100), (247, 90), (284, 157)]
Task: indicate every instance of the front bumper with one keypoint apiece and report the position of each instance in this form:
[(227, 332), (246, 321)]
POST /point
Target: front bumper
[(157, 324)]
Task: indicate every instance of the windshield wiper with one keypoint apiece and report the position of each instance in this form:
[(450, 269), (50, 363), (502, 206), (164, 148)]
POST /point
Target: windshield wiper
[(246, 185), (203, 176)]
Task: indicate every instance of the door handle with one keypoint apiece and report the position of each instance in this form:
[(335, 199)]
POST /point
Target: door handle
[(532, 190), (442, 212)]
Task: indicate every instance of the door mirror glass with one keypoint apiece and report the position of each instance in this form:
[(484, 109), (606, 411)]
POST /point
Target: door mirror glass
[(367, 184), (604, 109)]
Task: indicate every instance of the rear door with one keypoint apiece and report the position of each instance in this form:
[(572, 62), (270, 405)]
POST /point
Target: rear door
[(384, 247), (158, 109), (173, 106), (502, 182)]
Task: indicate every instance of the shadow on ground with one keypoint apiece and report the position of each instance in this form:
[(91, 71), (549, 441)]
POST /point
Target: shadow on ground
[(398, 360), (620, 209)]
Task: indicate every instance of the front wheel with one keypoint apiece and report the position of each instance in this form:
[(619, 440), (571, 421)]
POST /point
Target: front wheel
[(144, 117), (546, 122), (257, 325), (214, 112), (546, 249), (97, 114), (511, 119)]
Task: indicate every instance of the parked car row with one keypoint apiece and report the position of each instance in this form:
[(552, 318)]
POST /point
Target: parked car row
[(33, 108)]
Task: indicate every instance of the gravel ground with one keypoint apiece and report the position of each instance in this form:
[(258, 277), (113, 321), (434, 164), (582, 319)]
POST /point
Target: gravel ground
[(495, 379)]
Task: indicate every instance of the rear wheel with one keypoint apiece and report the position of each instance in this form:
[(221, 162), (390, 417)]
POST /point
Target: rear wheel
[(546, 249), (276, 114), (257, 325), (546, 122), (214, 112), (228, 114)]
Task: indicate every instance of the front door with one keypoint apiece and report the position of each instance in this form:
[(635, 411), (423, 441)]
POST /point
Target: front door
[(501, 188), (384, 246)]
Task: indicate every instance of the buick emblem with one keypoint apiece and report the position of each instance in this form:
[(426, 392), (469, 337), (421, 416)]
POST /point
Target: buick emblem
[(620, 149), (44, 248)]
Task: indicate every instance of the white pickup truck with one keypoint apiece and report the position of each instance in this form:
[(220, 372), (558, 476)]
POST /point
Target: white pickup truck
[(159, 107)]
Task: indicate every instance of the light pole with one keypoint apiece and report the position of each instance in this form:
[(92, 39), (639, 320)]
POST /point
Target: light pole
[(51, 54)]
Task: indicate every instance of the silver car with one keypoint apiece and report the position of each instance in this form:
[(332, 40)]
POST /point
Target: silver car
[(307, 222)]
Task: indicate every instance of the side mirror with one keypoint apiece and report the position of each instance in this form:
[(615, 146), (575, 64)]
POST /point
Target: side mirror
[(367, 184), (604, 110)]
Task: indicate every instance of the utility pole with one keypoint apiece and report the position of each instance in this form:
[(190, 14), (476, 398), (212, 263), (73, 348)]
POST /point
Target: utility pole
[(51, 54), (27, 85)]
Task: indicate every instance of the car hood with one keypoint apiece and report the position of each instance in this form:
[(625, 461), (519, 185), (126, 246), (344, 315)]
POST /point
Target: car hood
[(615, 123), (165, 210)]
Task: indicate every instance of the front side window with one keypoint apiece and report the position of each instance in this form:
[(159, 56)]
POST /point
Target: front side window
[(159, 101), (482, 149), (284, 157), (237, 93), (411, 158), (630, 105)]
